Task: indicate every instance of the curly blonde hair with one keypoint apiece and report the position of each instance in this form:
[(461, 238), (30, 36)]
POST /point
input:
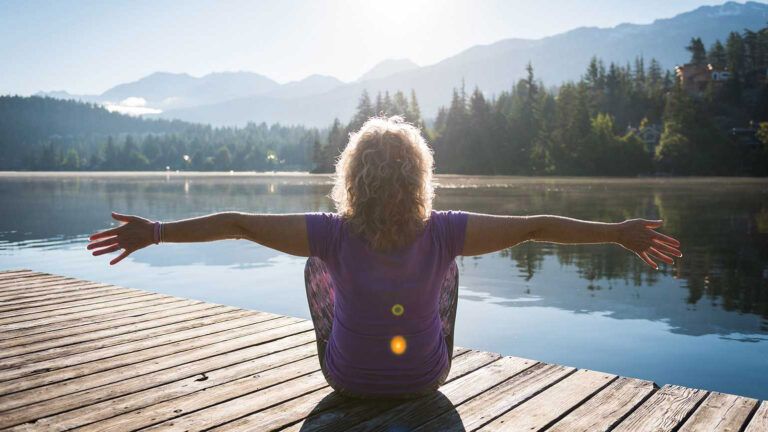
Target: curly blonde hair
[(383, 184)]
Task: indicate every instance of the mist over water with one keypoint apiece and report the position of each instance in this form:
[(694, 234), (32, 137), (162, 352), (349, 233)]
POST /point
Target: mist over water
[(589, 306)]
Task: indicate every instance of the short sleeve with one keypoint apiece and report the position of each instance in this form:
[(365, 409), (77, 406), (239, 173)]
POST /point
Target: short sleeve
[(451, 228), (322, 233)]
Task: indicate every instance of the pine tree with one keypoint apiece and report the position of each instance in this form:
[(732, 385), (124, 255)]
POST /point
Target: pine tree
[(698, 52)]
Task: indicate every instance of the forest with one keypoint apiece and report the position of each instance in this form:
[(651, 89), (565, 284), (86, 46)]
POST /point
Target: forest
[(709, 117)]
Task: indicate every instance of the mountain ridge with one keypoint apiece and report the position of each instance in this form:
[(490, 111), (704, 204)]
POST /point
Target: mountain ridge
[(491, 67)]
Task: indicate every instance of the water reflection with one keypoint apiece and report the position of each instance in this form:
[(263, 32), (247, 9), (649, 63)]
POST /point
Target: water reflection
[(718, 291)]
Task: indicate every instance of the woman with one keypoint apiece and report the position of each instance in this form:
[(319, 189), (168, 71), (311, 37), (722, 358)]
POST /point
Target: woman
[(381, 280)]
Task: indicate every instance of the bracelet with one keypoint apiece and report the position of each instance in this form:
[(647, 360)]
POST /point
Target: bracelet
[(162, 231), (156, 232)]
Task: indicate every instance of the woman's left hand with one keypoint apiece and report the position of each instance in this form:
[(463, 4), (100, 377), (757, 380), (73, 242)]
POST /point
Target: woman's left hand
[(135, 233), (638, 236)]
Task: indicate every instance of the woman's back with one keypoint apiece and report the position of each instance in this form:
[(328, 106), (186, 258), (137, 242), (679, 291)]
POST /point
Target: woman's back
[(387, 336)]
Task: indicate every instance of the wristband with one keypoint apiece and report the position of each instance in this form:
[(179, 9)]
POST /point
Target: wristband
[(156, 232)]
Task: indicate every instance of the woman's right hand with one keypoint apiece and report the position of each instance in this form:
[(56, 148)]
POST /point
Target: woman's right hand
[(135, 233), (638, 236)]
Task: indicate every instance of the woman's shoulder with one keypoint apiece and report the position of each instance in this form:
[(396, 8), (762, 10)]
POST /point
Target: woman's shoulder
[(448, 215)]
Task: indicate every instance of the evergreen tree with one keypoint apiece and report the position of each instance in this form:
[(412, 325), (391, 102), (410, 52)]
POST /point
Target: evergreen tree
[(698, 52)]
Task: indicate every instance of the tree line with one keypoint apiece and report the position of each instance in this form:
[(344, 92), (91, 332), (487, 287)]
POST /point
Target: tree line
[(617, 120), (597, 125)]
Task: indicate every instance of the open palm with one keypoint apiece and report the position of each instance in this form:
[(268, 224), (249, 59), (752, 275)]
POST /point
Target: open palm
[(638, 236), (135, 233)]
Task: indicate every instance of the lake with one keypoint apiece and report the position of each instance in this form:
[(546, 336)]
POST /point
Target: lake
[(701, 323)]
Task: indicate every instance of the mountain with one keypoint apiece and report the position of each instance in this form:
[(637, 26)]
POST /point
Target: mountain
[(164, 90), (387, 68), (316, 100), (496, 67), (311, 85)]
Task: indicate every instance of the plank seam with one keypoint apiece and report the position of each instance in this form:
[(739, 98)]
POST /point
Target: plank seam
[(124, 332), (577, 405), (149, 359), (117, 396), (690, 413), (188, 377), (618, 421), (750, 416), (533, 395), (96, 322), (211, 313)]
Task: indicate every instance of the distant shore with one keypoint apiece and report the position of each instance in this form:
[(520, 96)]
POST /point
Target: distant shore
[(442, 180)]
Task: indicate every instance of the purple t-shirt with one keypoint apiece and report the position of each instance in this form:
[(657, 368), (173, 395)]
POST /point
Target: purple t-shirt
[(367, 284)]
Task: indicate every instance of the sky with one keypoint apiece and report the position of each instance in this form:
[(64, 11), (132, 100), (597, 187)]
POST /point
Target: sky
[(86, 47)]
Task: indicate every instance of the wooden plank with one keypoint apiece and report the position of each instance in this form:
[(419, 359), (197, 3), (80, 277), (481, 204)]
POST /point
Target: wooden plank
[(278, 416), (11, 279), (35, 283), (413, 413), (12, 330), (188, 384), (85, 376), (664, 411), (759, 421), (720, 412), (93, 290), (11, 282), (291, 411), (13, 321), (105, 330), (46, 288), (607, 408), (548, 406), (57, 336), (73, 323), (63, 295), (220, 315), (355, 412), (94, 296), (490, 404), (60, 369), (217, 404), (58, 404), (12, 272), (66, 306)]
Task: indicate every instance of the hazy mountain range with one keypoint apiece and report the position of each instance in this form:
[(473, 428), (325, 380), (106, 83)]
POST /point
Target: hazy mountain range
[(235, 98)]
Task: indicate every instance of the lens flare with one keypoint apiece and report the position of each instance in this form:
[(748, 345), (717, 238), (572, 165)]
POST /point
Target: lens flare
[(398, 309), (397, 345)]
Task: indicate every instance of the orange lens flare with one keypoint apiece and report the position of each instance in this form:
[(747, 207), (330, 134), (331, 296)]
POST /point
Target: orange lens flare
[(397, 345)]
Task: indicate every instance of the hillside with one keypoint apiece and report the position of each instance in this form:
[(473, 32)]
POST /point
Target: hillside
[(28, 122)]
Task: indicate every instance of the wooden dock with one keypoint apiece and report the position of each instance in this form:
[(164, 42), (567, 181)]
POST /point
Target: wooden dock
[(90, 356)]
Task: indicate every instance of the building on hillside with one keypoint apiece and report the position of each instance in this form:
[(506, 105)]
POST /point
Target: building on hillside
[(695, 78)]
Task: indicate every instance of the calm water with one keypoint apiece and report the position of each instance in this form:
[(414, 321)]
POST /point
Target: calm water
[(701, 323)]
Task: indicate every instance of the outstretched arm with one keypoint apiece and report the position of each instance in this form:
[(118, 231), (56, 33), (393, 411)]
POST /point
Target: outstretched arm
[(284, 232), (489, 233)]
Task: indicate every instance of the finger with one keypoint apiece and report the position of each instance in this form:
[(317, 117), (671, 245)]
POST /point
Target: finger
[(650, 262), (666, 248), (99, 244), (655, 253), (107, 233), (123, 217), (106, 250), (652, 223), (667, 239), (119, 257)]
